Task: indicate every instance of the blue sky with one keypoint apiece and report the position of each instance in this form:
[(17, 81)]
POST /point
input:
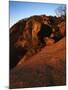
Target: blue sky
[(20, 10)]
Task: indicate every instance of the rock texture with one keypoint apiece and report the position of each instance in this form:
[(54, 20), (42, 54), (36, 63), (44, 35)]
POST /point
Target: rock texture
[(31, 34), (38, 52), (46, 68)]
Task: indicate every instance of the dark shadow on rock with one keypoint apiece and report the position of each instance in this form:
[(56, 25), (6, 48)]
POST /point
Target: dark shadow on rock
[(15, 55), (45, 31)]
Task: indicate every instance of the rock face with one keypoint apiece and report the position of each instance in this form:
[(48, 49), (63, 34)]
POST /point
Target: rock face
[(46, 68), (62, 28), (30, 35), (37, 52)]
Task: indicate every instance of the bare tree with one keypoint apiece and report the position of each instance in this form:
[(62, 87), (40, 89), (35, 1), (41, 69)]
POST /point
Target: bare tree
[(61, 11)]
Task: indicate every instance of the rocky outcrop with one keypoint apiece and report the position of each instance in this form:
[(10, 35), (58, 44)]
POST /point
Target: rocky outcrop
[(29, 35)]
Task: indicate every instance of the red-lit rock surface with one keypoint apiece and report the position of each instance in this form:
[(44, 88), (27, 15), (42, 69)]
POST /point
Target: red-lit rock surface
[(29, 35), (46, 68)]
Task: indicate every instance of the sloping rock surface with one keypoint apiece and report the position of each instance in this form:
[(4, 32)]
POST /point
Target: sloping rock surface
[(46, 68)]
